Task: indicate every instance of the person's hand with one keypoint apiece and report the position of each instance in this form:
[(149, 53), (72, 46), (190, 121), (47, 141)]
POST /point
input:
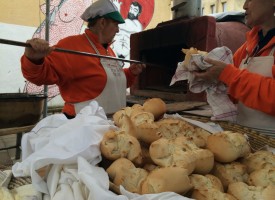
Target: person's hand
[(40, 48), (212, 73), (136, 69)]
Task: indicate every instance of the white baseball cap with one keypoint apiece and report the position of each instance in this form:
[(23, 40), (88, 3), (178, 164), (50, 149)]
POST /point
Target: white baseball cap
[(102, 8)]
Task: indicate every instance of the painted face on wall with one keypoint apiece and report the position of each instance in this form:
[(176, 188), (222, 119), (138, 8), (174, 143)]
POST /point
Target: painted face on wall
[(133, 12)]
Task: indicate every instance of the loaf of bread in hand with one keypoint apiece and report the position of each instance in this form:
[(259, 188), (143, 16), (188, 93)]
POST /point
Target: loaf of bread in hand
[(242, 191), (167, 179), (227, 146), (118, 144)]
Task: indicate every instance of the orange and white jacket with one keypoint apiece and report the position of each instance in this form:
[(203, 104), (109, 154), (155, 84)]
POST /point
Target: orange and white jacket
[(253, 90), (80, 78)]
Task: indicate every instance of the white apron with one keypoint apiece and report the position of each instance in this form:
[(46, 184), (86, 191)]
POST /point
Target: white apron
[(253, 118), (113, 96)]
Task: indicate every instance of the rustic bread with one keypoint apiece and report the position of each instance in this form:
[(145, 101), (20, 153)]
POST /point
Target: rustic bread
[(116, 166), (242, 191), (171, 128), (123, 172), (227, 146), (259, 160), (230, 173), (173, 179), (166, 153), (118, 144), (188, 54), (262, 177), (207, 181), (211, 194), (156, 106), (131, 179), (118, 117), (204, 161)]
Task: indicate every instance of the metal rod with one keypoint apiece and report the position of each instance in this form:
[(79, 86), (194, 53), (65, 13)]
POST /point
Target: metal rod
[(23, 44)]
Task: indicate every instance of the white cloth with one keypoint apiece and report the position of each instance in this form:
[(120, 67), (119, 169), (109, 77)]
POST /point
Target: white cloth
[(71, 148), (222, 106), (62, 145)]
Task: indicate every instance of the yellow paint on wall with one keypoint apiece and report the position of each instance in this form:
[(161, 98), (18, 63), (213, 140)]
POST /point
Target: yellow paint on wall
[(21, 12)]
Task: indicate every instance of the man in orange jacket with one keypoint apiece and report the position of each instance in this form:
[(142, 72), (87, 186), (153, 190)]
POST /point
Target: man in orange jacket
[(82, 79), (250, 79)]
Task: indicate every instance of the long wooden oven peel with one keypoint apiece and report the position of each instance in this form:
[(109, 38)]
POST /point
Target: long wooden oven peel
[(23, 44)]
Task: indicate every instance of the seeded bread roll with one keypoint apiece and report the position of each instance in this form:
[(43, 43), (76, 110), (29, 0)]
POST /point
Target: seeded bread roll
[(259, 160), (156, 106), (211, 194), (230, 173), (167, 179), (117, 144), (262, 177), (207, 181), (242, 191), (227, 146)]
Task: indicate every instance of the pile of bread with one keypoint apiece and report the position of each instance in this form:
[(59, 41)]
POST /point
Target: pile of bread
[(152, 154)]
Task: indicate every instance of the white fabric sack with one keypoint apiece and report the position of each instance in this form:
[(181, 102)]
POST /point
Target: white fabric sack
[(222, 107), (80, 136)]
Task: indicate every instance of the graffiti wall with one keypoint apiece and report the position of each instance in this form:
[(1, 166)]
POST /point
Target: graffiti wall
[(22, 20)]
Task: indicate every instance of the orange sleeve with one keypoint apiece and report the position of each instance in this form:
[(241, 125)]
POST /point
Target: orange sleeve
[(253, 90)]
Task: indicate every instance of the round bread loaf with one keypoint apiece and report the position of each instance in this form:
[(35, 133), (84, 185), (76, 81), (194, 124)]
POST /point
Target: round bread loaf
[(204, 161), (166, 153), (118, 144), (123, 172), (156, 106), (146, 129), (171, 128), (259, 160), (116, 166), (211, 194), (227, 146), (207, 181), (167, 179), (242, 191), (262, 177), (230, 173)]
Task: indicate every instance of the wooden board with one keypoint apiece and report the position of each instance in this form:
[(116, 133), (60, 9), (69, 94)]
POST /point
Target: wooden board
[(172, 107), (181, 106)]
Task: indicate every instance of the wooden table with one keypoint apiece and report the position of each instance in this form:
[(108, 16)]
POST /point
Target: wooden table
[(19, 132)]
